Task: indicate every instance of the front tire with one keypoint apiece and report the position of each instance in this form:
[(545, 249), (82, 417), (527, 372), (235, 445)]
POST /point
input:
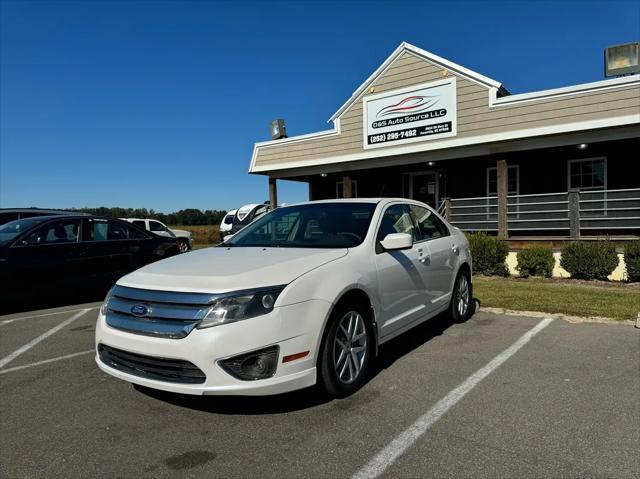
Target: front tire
[(347, 350), (461, 307), (183, 245)]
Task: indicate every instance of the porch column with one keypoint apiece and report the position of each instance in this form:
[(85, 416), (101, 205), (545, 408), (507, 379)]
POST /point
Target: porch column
[(347, 187), (447, 209), (574, 214), (273, 193), (503, 190)]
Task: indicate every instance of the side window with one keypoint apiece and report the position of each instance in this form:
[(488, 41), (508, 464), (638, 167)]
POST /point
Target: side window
[(136, 234), (140, 224), (429, 225), (62, 231), (396, 219), (228, 220), (98, 229), (156, 226)]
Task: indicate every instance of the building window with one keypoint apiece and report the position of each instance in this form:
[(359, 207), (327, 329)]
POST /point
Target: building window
[(588, 174), (340, 189), (513, 180)]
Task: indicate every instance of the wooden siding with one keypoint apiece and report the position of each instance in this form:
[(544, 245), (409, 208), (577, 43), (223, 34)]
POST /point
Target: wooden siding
[(475, 117)]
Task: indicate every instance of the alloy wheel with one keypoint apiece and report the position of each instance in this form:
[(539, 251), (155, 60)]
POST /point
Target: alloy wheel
[(350, 347), (462, 295)]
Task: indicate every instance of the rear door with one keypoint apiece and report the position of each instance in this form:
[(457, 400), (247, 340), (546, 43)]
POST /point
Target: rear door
[(401, 284), (440, 260), (107, 250)]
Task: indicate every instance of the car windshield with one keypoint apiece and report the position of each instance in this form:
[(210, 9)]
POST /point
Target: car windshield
[(312, 225), (12, 229)]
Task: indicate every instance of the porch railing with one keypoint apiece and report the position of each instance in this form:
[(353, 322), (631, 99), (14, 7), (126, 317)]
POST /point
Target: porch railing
[(569, 213)]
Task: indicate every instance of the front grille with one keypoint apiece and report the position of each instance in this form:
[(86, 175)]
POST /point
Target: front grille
[(151, 367), (166, 314)]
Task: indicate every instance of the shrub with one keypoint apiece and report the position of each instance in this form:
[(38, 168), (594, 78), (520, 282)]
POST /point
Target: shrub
[(536, 261), (632, 260), (589, 259), (488, 254)]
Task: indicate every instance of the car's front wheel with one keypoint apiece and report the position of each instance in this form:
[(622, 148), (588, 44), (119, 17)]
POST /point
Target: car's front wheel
[(346, 351), (183, 245), (461, 300)]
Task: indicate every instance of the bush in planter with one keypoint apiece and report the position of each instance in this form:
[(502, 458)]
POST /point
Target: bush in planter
[(589, 259), (488, 254), (536, 261), (632, 260)]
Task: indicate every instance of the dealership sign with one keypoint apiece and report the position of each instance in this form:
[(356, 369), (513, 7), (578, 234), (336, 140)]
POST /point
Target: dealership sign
[(417, 113)]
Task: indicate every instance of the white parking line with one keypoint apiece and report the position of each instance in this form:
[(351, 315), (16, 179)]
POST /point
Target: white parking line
[(8, 321), (7, 359), (409, 436), (46, 361)]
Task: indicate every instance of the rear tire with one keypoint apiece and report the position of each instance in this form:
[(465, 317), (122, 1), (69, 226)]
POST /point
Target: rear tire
[(346, 351), (461, 307)]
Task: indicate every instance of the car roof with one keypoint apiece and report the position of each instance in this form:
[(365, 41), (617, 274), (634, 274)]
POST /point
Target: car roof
[(41, 210)]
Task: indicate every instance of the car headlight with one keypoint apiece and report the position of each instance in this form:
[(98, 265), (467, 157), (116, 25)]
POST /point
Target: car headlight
[(105, 304), (241, 305)]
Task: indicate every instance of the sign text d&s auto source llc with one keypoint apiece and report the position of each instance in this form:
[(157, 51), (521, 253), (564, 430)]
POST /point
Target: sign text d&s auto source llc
[(421, 112)]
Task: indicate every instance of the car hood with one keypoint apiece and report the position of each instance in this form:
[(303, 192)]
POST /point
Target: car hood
[(219, 270), (182, 233)]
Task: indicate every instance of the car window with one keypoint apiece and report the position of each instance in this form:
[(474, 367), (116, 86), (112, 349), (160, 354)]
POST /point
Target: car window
[(156, 226), (140, 223), (62, 231), (99, 229), (228, 220), (313, 225), (396, 219), (135, 233), (13, 229), (429, 225)]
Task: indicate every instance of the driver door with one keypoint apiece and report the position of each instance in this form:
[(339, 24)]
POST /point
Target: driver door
[(400, 282)]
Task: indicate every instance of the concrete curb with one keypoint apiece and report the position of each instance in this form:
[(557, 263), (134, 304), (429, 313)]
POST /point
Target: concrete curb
[(565, 317)]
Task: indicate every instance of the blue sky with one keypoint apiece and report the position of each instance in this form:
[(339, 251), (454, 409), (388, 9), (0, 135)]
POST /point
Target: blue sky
[(158, 104)]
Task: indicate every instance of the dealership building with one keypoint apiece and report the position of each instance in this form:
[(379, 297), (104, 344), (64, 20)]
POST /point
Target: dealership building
[(553, 164)]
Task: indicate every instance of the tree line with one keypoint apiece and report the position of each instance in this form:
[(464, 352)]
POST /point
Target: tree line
[(190, 216)]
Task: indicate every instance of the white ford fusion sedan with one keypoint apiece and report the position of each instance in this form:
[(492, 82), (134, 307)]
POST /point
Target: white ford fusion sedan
[(303, 295)]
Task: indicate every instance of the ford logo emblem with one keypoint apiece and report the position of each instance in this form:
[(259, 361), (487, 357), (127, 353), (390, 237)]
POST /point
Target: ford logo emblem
[(140, 310)]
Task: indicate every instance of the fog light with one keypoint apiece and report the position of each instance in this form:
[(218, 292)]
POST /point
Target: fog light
[(260, 364)]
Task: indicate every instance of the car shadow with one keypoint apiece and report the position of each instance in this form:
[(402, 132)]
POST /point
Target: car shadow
[(53, 299), (311, 397)]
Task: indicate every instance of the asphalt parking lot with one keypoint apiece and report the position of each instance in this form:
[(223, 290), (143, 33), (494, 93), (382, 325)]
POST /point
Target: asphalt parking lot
[(563, 404)]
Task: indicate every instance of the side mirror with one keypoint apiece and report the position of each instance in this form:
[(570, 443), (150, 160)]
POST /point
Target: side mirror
[(397, 241)]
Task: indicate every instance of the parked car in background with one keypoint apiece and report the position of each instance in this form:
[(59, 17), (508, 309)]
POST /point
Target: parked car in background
[(47, 256), (10, 214), (247, 214), (185, 241), (226, 224), (304, 294)]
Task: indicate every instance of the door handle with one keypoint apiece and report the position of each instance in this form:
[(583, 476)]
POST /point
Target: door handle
[(424, 260)]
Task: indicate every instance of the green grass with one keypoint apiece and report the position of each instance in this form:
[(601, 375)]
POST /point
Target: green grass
[(615, 301)]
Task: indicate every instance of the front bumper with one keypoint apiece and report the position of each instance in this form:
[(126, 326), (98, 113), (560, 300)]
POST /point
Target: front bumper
[(294, 328)]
